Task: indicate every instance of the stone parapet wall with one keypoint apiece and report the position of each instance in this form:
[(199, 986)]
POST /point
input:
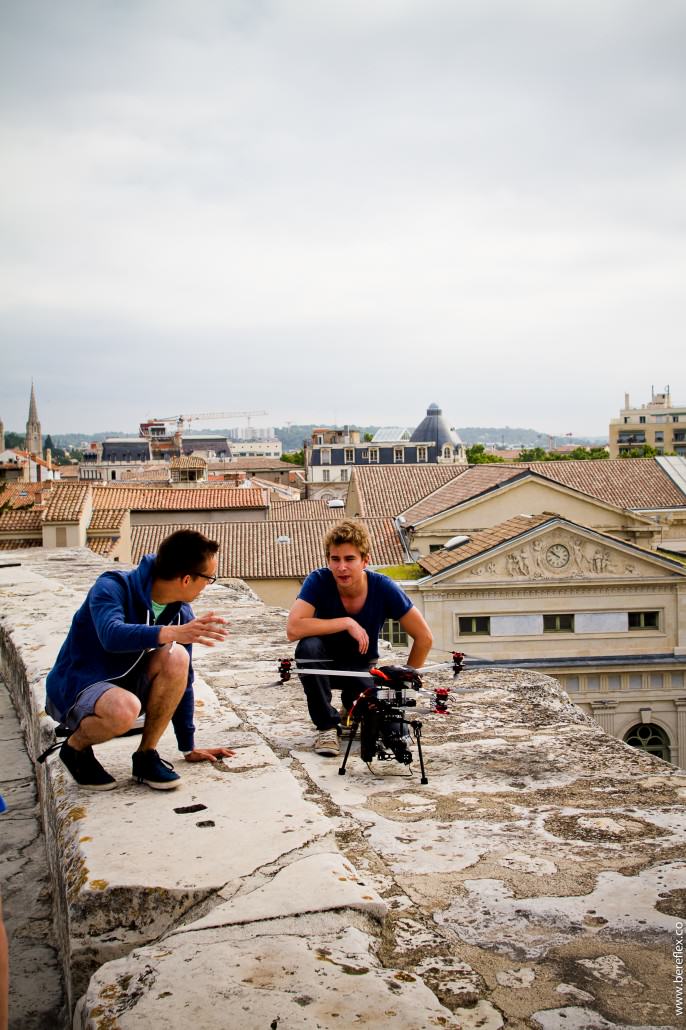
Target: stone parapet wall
[(537, 880)]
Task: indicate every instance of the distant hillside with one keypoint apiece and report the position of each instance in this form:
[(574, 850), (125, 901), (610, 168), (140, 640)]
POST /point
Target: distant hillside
[(499, 436), (506, 436), (292, 436)]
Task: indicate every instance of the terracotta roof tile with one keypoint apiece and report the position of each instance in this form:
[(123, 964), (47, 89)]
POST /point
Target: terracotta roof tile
[(101, 545), (19, 494), (107, 518), (390, 489), (14, 521), (482, 541), (237, 464), (287, 511), (250, 550), (476, 480), (187, 461), (625, 482), (66, 502), (419, 491), (176, 498), (19, 544), (148, 477)]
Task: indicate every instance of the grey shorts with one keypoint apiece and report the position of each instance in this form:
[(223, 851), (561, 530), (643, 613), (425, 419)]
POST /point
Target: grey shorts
[(136, 682)]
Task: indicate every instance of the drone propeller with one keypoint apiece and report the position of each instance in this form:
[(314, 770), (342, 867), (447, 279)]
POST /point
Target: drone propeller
[(391, 674)]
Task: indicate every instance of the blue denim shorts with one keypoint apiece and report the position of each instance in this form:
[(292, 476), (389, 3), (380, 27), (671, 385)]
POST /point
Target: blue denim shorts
[(136, 682)]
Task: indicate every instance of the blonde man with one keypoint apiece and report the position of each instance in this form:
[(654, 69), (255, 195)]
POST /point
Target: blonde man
[(337, 618)]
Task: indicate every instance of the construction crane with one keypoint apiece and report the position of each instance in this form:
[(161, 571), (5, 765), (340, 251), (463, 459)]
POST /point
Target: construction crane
[(156, 427)]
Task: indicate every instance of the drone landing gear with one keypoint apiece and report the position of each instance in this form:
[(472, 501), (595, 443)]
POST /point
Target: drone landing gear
[(372, 746), (351, 737)]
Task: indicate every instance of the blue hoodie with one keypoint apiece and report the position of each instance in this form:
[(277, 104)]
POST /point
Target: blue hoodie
[(109, 634)]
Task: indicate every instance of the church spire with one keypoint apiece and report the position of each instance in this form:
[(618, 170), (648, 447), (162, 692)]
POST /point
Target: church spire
[(34, 441)]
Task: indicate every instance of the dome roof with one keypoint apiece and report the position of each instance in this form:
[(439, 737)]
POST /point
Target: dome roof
[(435, 429)]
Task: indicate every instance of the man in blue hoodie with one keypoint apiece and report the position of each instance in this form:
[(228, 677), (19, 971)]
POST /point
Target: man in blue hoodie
[(129, 650)]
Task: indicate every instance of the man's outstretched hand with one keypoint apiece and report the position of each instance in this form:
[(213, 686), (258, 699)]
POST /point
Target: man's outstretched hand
[(208, 629), (208, 754)]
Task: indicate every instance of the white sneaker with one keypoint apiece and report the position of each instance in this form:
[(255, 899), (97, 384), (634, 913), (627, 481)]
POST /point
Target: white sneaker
[(326, 742)]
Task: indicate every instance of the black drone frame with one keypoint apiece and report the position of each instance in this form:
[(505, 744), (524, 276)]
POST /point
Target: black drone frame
[(379, 711)]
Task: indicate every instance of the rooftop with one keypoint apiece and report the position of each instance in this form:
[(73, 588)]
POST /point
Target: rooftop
[(633, 483), (481, 541), (478, 479), (536, 880), (390, 489), (65, 502), (169, 498), (274, 549)]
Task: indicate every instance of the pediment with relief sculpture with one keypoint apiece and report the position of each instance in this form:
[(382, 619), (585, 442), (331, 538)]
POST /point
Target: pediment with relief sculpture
[(561, 554)]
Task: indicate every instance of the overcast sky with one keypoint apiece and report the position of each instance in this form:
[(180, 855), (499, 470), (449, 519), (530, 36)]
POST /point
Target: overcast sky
[(341, 211)]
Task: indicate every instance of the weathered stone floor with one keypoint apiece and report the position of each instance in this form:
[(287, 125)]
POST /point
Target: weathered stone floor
[(536, 881), (36, 988)]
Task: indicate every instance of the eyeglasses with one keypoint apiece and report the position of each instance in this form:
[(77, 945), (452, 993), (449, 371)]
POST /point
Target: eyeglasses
[(210, 579)]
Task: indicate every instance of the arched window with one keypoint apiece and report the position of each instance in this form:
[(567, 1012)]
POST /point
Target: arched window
[(651, 738)]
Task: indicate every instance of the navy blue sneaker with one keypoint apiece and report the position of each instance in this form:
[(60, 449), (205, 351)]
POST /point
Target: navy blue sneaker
[(149, 768)]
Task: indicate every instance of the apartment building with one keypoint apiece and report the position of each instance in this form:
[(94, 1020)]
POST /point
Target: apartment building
[(659, 424)]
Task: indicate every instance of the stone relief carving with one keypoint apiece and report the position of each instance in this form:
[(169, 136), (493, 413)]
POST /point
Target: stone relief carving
[(489, 568), (558, 557)]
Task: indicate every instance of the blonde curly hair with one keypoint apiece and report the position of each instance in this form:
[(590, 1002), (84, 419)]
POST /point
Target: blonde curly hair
[(349, 531)]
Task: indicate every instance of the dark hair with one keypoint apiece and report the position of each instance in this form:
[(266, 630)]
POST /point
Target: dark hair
[(183, 554)]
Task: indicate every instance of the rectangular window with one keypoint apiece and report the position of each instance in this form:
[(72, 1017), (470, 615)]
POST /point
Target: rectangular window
[(326, 476), (435, 547), (325, 456), (641, 418), (614, 681), (393, 632), (421, 454), (659, 436), (644, 620), (344, 475), (374, 454), (398, 455), (562, 623), (474, 625), (349, 455), (570, 683)]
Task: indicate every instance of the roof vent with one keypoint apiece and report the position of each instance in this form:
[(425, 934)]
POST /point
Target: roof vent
[(336, 502), (283, 540), (456, 541)]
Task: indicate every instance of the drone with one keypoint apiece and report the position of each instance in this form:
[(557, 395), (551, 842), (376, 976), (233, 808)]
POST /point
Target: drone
[(379, 711)]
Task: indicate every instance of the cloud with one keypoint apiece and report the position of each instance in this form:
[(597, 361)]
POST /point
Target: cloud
[(463, 193)]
